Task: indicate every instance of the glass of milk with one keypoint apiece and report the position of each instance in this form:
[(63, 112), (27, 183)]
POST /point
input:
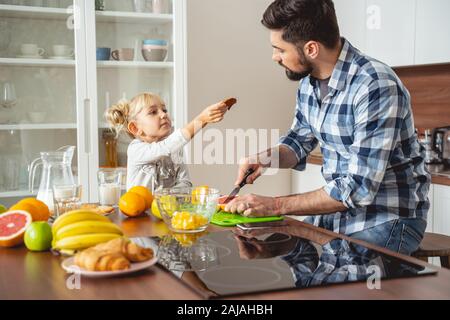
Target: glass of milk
[(109, 187)]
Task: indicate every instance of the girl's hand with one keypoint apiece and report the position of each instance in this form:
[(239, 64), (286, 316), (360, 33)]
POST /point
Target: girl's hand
[(211, 114), (214, 113)]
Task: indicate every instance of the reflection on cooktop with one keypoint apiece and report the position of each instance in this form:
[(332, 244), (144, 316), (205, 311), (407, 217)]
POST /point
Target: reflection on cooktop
[(226, 263)]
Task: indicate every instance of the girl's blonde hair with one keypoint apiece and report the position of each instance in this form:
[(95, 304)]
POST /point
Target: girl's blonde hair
[(122, 113)]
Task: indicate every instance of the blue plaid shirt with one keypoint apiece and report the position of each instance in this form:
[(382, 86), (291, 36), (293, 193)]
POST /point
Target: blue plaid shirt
[(372, 160)]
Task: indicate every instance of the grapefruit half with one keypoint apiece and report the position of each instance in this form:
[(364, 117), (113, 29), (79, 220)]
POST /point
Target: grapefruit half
[(12, 227)]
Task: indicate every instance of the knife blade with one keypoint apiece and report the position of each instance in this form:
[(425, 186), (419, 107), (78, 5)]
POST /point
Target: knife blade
[(236, 190)]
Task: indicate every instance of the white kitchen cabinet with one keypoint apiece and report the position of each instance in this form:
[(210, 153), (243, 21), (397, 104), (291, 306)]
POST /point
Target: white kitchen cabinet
[(432, 32), (382, 29), (398, 33), (390, 31), (351, 16), (441, 209), (68, 95)]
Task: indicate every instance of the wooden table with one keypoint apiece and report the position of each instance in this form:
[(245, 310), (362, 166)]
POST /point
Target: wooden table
[(31, 275)]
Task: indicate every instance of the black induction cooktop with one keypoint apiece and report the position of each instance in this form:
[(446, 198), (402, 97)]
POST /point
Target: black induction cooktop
[(237, 262)]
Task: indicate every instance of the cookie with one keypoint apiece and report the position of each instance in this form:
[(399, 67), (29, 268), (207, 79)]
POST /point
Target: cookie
[(230, 102), (105, 209)]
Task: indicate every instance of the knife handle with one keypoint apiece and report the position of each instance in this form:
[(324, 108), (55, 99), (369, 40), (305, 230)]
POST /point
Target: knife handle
[(247, 174)]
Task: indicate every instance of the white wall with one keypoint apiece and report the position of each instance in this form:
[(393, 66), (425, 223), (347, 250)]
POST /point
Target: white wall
[(229, 54)]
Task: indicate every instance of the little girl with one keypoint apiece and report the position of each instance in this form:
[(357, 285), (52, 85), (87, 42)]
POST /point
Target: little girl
[(155, 156)]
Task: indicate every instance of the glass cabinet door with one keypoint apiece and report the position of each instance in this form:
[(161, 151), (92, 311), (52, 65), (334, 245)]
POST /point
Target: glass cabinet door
[(134, 53), (63, 63), (38, 89)]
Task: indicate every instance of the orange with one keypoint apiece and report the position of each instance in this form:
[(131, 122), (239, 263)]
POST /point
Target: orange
[(28, 207), (132, 204), (145, 193), (43, 213)]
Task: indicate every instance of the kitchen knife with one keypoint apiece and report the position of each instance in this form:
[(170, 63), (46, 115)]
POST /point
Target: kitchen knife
[(238, 188)]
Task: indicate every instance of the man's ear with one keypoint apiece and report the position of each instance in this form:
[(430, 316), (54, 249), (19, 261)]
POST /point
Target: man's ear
[(311, 49), (133, 129)]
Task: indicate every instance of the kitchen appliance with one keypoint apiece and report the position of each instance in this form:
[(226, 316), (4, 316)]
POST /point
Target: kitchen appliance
[(441, 144), (426, 141), (270, 259), (56, 170)]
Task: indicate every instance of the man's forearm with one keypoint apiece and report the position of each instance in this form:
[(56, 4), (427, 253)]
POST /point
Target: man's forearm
[(310, 203), (278, 157)]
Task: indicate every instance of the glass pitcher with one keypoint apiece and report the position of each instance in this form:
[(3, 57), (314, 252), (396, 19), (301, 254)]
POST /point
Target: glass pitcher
[(56, 170)]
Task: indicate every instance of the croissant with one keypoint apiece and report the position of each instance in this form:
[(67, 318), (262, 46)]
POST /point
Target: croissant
[(97, 260), (129, 249), (113, 255)]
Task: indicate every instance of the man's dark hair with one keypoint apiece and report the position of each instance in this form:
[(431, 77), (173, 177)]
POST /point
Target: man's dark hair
[(303, 21)]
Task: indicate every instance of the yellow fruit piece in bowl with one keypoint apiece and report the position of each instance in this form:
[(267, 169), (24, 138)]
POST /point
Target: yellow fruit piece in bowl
[(169, 204), (188, 239), (198, 193), (184, 220)]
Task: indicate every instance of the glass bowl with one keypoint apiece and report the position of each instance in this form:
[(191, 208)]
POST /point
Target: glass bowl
[(187, 210), (187, 252)]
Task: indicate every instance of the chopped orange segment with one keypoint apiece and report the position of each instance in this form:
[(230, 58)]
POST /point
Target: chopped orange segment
[(183, 220)]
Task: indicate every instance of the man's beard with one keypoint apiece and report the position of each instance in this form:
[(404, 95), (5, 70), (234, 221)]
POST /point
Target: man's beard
[(297, 76)]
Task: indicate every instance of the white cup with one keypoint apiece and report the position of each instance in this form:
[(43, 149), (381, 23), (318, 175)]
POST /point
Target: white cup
[(61, 50), (31, 49)]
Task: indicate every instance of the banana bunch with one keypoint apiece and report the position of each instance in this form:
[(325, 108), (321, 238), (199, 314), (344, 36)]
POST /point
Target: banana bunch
[(80, 229)]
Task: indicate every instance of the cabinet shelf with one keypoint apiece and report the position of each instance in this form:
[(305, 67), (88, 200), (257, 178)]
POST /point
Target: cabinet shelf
[(135, 64), (37, 126), (36, 62), (16, 194), (11, 11), (44, 126), (71, 63), (133, 17)]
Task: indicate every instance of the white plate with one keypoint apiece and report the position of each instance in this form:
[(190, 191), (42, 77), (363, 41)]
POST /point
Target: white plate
[(69, 265), (30, 57), (60, 58)]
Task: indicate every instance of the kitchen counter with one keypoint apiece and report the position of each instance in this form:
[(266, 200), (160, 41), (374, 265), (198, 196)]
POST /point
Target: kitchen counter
[(439, 175), (31, 275)]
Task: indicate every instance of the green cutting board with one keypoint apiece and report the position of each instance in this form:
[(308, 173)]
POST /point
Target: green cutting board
[(226, 219)]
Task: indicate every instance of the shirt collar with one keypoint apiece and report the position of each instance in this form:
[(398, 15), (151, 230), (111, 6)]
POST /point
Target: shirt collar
[(341, 72)]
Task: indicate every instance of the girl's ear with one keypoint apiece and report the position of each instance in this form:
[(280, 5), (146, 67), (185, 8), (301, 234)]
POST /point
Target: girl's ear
[(133, 129)]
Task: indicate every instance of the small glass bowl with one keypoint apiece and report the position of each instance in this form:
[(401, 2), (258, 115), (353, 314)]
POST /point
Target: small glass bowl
[(187, 210)]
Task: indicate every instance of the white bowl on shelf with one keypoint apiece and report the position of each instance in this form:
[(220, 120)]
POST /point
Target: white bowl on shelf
[(154, 50), (37, 116), (154, 54)]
